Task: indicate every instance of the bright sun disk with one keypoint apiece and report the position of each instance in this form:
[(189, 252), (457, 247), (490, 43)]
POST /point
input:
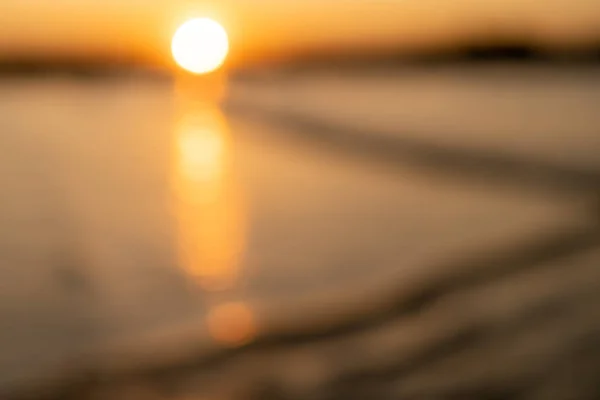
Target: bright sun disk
[(200, 45)]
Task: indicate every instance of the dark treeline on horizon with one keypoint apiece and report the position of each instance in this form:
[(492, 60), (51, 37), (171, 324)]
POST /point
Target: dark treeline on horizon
[(517, 51)]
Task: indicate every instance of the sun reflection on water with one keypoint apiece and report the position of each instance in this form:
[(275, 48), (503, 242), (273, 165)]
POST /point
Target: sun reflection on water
[(208, 205), (210, 217)]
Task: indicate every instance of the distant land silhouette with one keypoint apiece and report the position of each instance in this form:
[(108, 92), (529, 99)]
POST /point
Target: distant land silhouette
[(474, 51), (75, 66)]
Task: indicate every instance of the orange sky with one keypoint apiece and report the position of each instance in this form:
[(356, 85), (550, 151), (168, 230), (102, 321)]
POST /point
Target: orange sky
[(144, 27)]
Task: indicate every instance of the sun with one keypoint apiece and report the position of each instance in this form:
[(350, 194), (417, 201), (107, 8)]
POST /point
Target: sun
[(200, 45)]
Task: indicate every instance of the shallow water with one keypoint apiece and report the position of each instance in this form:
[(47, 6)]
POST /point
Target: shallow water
[(140, 228)]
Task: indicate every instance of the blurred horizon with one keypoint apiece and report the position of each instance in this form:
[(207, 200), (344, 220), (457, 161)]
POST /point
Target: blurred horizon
[(136, 32)]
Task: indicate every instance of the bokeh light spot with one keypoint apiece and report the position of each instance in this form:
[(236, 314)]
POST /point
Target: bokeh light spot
[(232, 324)]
